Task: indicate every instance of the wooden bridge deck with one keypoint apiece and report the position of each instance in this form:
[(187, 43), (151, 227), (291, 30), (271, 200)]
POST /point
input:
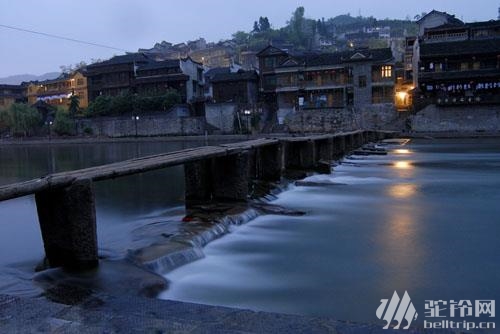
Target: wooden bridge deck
[(129, 167)]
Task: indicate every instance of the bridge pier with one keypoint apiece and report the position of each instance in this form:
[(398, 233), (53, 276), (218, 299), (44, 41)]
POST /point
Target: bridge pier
[(300, 154), (339, 146), (358, 140), (371, 136), (324, 149), (230, 177), (68, 225), (349, 142), (269, 163), (198, 180)]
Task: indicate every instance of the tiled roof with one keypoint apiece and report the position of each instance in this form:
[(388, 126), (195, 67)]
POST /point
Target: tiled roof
[(451, 18), (217, 70), (123, 59), (271, 50), (337, 58), (237, 76), (154, 65), (469, 47), (485, 24)]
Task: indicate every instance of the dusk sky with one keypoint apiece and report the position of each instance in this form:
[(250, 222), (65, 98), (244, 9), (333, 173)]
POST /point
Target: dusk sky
[(130, 24)]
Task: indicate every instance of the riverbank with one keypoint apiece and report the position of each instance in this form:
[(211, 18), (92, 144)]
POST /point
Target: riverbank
[(93, 140), (214, 138), (452, 134), (132, 314)]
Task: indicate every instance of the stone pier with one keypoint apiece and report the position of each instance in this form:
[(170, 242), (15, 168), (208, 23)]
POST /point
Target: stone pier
[(269, 163), (68, 225), (339, 146), (324, 149), (66, 206), (299, 154), (198, 181), (230, 177)]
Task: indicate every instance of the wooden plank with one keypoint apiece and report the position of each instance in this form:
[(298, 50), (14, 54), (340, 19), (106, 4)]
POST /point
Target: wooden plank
[(148, 163)]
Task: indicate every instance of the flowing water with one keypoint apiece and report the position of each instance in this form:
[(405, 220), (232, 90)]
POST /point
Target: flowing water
[(424, 218), (124, 206)]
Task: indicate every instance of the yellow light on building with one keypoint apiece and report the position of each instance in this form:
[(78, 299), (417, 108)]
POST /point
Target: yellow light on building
[(402, 96)]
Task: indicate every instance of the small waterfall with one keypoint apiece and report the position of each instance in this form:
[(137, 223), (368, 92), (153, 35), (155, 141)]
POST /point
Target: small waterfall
[(175, 259), (187, 246)]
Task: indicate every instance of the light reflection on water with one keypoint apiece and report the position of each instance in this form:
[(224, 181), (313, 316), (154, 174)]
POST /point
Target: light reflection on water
[(423, 220), (429, 227)]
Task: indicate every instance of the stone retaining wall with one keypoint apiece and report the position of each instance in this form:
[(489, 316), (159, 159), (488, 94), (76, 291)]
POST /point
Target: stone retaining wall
[(146, 125), (457, 119), (379, 116)]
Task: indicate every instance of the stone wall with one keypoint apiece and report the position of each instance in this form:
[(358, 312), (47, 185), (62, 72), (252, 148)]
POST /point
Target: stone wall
[(222, 116), (457, 119), (147, 125), (379, 116)]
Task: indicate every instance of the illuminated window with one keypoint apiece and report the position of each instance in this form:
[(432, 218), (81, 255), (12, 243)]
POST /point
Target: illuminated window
[(386, 71)]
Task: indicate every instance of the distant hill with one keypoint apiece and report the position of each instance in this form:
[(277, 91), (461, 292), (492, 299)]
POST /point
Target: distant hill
[(17, 79)]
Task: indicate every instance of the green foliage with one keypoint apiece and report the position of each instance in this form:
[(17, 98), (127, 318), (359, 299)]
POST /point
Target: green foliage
[(74, 104), (88, 131), (24, 119), (129, 103), (100, 106), (241, 37), (264, 24), (5, 120), (63, 123), (170, 99), (302, 32)]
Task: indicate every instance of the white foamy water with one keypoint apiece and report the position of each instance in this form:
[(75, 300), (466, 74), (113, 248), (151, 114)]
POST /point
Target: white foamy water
[(424, 221)]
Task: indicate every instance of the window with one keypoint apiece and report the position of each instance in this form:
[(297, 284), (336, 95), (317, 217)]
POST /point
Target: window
[(269, 62), (79, 82), (386, 71), (362, 81), (382, 95)]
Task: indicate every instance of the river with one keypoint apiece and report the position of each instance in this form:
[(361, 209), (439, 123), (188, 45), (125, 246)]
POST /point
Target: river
[(423, 219)]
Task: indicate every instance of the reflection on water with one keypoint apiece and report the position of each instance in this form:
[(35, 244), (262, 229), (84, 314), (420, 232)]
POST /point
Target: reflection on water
[(427, 225), (122, 204), (425, 222), (402, 190), (401, 151), (402, 165)]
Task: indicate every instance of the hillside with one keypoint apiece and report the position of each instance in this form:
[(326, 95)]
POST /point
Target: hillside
[(19, 78)]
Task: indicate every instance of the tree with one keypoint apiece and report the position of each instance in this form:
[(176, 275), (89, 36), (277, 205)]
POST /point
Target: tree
[(297, 27), (171, 98), (5, 120), (256, 27), (24, 118), (240, 37), (63, 124), (74, 104), (264, 24)]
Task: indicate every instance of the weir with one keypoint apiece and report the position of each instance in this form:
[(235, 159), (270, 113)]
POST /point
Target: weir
[(66, 205)]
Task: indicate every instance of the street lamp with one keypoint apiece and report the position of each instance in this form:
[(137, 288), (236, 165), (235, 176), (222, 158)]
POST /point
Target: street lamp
[(247, 114), (135, 118), (49, 124)]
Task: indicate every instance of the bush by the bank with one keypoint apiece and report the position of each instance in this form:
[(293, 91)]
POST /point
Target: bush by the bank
[(63, 123), (132, 103)]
